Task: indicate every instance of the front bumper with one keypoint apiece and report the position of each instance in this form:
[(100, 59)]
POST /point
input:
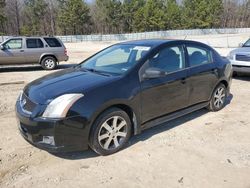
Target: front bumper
[(240, 66), (58, 135), (241, 69)]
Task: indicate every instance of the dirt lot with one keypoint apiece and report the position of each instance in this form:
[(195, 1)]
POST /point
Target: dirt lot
[(202, 149)]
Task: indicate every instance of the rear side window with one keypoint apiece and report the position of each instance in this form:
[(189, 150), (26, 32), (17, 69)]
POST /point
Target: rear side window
[(53, 42), (34, 43), (198, 56)]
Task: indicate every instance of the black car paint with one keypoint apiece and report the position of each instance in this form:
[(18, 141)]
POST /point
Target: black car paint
[(146, 101)]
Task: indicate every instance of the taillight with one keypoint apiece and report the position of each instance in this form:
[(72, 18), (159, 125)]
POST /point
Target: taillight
[(65, 51)]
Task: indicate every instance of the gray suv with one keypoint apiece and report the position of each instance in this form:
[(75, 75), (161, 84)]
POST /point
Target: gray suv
[(240, 58), (46, 51)]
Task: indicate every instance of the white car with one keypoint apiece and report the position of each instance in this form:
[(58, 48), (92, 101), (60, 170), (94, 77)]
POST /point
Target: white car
[(240, 58)]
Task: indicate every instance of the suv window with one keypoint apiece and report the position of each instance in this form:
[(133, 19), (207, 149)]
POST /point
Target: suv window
[(169, 59), (198, 56), (52, 42), (13, 44), (34, 43)]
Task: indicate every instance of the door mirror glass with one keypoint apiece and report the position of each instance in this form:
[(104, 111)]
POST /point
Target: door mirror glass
[(2, 47), (153, 73), (241, 44)]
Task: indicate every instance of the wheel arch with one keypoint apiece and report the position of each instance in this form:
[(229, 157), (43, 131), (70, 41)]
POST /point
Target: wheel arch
[(126, 108), (47, 55), (222, 81)]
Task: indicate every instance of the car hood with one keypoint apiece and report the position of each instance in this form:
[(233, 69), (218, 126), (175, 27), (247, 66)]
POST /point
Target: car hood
[(71, 80), (244, 50)]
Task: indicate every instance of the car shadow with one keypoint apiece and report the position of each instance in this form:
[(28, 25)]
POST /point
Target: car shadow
[(31, 68), (76, 155), (242, 76), (145, 135)]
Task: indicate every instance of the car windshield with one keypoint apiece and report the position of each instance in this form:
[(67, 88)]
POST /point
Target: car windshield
[(117, 59), (247, 44)]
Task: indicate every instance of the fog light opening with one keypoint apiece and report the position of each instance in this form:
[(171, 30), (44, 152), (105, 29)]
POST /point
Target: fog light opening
[(49, 140)]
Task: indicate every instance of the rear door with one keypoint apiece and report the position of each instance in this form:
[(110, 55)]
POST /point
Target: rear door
[(202, 74), (56, 47), (13, 52), (34, 50), (167, 94)]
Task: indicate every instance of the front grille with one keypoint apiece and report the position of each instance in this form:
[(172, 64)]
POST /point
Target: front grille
[(242, 57), (26, 104)]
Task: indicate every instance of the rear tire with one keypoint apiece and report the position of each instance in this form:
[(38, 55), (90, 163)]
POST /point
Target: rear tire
[(49, 63), (218, 99), (110, 132)]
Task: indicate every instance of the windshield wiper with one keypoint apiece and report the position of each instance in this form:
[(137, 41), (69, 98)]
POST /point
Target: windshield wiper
[(97, 71)]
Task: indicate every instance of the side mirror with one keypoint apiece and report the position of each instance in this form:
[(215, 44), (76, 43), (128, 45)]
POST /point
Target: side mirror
[(241, 44), (2, 47), (153, 73)]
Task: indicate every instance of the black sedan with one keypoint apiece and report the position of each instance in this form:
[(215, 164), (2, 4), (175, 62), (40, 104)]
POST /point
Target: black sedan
[(120, 91)]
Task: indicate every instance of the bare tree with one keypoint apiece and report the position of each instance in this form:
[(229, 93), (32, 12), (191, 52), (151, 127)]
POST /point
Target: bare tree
[(13, 12)]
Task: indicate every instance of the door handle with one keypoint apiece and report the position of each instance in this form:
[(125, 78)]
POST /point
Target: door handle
[(21, 50)]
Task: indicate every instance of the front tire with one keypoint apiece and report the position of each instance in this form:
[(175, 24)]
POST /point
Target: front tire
[(48, 63), (218, 99), (110, 132)]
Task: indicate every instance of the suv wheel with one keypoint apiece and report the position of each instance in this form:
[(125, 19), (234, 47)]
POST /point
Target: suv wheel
[(218, 99), (49, 63), (110, 132)]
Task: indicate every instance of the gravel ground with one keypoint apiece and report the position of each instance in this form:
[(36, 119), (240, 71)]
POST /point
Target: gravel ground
[(202, 149)]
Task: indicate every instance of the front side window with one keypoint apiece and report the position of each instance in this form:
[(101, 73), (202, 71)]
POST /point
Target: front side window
[(34, 43), (169, 59), (13, 44), (198, 56), (116, 59), (247, 44)]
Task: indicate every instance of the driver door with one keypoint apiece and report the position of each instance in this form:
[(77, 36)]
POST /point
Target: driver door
[(13, 52), (169, 93)]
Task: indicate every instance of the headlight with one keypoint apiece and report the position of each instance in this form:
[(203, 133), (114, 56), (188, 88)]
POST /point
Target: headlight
[(59, 107)]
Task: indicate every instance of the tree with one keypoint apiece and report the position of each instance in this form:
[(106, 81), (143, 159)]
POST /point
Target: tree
[(202, 13), (36, 11), (173, 15), (131, 9), (150, 17), (74, 17), (2, 16), (13, 11)]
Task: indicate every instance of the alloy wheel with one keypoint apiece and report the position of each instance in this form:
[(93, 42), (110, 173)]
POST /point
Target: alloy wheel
[(219, 97), (112, 133), (49, 63)]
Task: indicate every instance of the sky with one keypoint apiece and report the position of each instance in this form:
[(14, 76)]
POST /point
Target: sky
[(89, 1)]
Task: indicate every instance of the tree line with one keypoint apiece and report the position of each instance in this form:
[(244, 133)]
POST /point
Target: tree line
[(76, 17)]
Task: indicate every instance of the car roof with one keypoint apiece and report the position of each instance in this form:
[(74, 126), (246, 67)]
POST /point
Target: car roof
[(157, 42), (18, 37), (147, 42)]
